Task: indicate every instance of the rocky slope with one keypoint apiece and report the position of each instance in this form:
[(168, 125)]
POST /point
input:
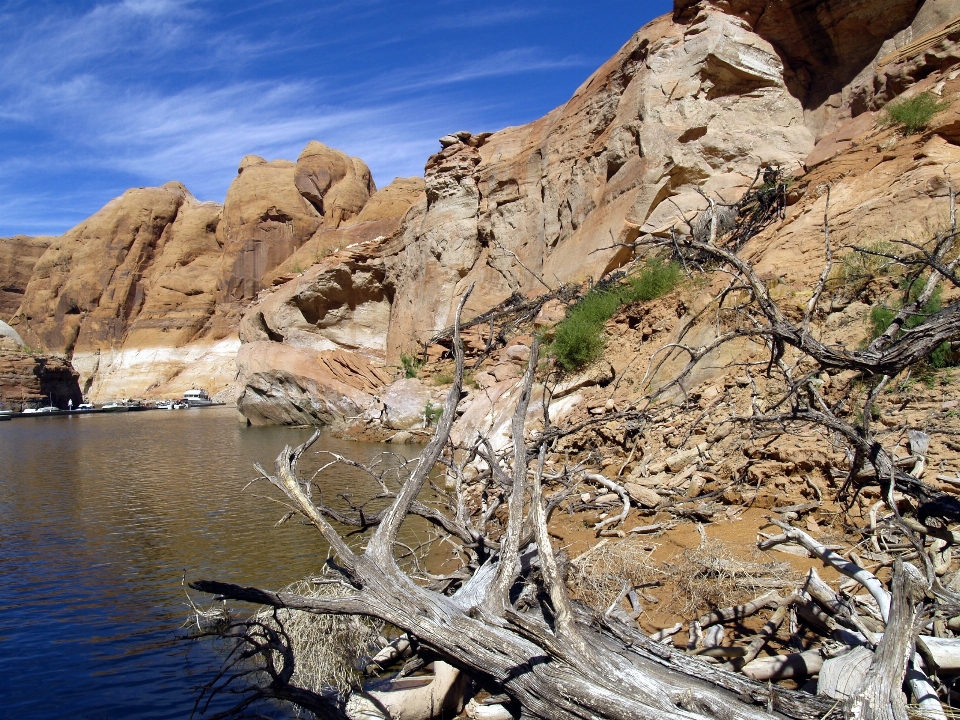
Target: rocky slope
[(696, 101), (146, 295)]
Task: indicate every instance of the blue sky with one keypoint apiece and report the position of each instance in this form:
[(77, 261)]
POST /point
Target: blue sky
[(97, 97)]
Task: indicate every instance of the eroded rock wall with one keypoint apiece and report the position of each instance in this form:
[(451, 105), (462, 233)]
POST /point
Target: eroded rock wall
[(318, 327), (146, 295), (18, 255), (693, 104), (29, 379)]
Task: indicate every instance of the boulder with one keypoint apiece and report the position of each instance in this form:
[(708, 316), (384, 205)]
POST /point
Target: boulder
[(643, 496), (283, 385), (404, 403), (9, 334)]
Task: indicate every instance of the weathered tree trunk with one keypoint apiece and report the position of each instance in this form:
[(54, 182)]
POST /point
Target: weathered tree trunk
[(558, 662), (880, 696)]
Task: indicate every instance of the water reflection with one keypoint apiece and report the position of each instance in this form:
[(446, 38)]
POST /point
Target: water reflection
[(100, 517)]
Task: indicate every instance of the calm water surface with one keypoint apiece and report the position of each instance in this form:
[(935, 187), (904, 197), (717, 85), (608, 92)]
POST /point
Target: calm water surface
[(100, 517)]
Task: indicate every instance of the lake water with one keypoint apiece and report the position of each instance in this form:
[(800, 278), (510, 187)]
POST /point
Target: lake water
[(100, 518)]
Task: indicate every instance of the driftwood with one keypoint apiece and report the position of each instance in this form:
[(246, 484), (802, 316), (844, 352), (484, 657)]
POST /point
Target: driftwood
[(778, 667), (879, 696), (549, 659), (411, 699), (505, 617)]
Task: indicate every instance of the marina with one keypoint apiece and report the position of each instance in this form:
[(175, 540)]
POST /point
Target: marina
[(192, 399)]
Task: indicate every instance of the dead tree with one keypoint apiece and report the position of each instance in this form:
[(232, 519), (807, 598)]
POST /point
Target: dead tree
[(898, 348), (506, 618), (554, 659)]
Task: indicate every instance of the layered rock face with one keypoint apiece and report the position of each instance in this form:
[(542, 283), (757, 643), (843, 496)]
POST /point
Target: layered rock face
[(18, 255), (146, 295), (273, 208), (137, 277), (697, 104), (27, 380), (696, 101), (305, 340)]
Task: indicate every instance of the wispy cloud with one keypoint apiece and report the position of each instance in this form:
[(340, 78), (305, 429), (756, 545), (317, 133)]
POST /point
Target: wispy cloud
[(146, 91)]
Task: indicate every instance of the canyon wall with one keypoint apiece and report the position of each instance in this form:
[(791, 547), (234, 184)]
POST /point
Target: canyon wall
[(306, 288), (695, 102), (18, 256), (145, 297)]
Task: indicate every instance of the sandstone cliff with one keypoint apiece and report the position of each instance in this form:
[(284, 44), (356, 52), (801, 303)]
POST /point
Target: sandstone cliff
[(146, 295), (695, 101), (336, 312), (18, 255)]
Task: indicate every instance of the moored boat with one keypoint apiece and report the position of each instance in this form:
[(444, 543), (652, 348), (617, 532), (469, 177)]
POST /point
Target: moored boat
[(197, 398)]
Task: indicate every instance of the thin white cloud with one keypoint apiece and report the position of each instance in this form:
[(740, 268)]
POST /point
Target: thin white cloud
[(487, 17), (124, 89)]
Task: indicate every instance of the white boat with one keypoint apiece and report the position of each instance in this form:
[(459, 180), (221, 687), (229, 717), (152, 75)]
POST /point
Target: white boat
[(197, 398), (114, 407)]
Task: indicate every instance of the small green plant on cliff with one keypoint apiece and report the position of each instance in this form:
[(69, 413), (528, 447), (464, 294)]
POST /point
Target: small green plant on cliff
[(432, 413), (411, 365), (578, 339), (913, 114)]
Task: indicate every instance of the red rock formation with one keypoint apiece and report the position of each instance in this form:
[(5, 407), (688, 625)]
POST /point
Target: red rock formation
[(145, 296), (18, 255), (28, 380)]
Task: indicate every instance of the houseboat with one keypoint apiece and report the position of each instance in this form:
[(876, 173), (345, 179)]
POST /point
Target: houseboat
[(197, 398)]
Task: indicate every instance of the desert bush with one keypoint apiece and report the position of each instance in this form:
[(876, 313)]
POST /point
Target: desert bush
[(411, 365), (913, 114), (857, 268), (882, 315), (700, 578), (578, 339)]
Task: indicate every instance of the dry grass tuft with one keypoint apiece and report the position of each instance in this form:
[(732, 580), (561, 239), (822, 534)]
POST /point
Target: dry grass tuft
[(327, 648), (710, 576), (596, 578), (700, 579)]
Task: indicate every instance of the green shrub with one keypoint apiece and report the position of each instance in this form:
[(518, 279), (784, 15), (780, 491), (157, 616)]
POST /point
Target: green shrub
[(432, 413), (411, 365), (443, 378), (657, 278), (913, 114), (881, 316), (578, 339)]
